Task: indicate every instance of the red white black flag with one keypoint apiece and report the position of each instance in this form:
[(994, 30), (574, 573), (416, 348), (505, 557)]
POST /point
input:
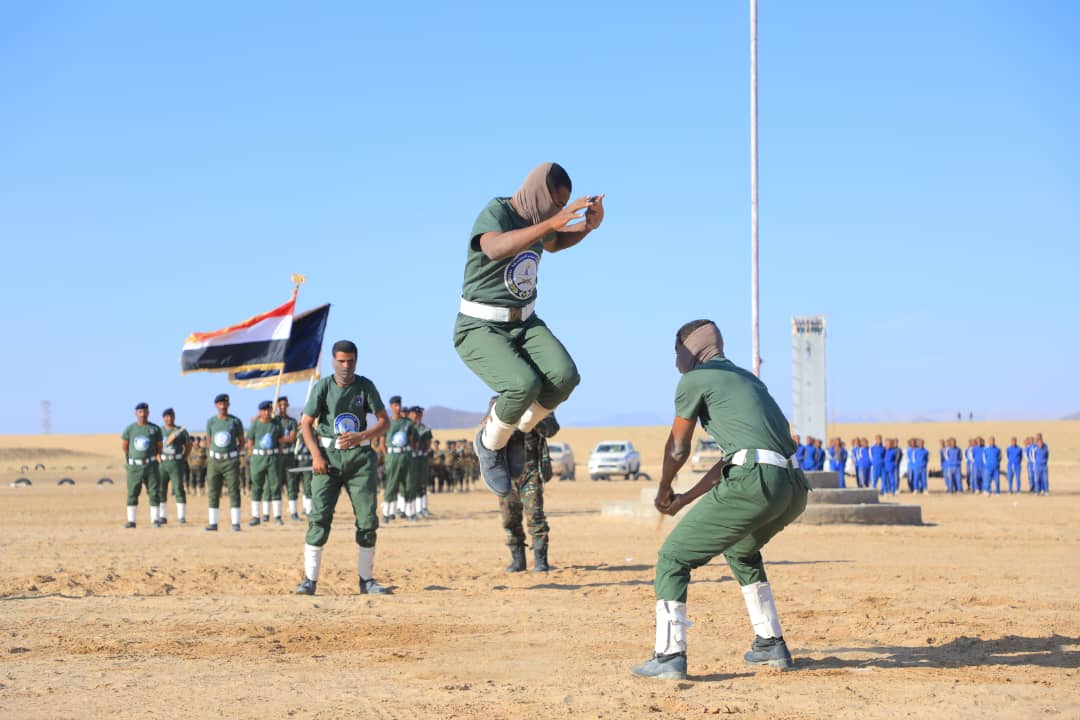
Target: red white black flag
[(258, 343)]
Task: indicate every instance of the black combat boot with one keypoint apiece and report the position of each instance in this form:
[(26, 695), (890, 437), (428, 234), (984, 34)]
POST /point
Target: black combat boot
[(540, 548), (517, 559), (769, 651)]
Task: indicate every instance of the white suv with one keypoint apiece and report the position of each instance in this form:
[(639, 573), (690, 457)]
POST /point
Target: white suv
[(562, 460), (616, 457)]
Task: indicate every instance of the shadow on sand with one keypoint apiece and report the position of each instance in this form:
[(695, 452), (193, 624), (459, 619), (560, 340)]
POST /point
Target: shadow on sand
[(1057, 651)]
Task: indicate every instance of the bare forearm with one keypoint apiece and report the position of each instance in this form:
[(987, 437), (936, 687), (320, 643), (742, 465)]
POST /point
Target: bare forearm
[(706, 483), (564, 240), (675, 456), (510, 243)]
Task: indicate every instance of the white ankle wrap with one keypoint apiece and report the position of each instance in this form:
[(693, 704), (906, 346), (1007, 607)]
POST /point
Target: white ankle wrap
[(762, 609), (312, 561), (496, 432), (532, 417), (671, 624)]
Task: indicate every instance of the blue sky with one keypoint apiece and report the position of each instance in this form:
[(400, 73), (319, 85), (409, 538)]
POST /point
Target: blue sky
[(165, 167)]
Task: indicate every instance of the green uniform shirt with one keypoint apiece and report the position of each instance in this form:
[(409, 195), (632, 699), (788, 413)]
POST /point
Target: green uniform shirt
[(342, 409), (265, 435), (510, 282), (174, 450), (734, 407), (400, 434), (423, 438), (225, 433), (287, 425), (142, 441)]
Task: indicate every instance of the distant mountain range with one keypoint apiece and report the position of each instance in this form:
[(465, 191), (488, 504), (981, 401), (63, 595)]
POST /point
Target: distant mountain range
[(442, 418), (1074, 416)]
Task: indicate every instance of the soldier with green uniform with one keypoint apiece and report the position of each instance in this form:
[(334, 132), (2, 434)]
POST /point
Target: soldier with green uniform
[(497, 334), (746, 499), (226, 433), (264, 449), (175, 448), (399, 447), (141, 444), (197, 467), (526, 498), (420, 468), (287, 461), (303, 460), (342, 457)]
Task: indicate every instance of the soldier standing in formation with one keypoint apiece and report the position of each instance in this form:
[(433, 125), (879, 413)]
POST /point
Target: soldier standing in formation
[(175, 447), (342, 458), (303, 460), (287, 461), (422, 462), (197, 467), (264, 448), (399, 442), (141, 444), (226, 433)]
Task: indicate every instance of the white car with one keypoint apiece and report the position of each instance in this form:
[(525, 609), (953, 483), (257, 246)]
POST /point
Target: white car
[(562, 460), (616, 457)]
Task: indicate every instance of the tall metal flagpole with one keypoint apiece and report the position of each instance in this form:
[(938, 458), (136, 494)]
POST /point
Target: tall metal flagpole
[(754, 310), (298, 280)]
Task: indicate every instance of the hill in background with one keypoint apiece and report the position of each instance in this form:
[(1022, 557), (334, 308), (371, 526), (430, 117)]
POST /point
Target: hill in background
[(1074, 416), (439, 417)]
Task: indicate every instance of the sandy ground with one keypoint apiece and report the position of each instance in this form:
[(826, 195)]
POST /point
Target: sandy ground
[(973, 615)]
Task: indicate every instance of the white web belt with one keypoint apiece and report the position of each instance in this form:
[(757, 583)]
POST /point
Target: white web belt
[(494, 313)]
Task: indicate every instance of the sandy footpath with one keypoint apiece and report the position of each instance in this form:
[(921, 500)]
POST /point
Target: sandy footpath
[(974, 615)]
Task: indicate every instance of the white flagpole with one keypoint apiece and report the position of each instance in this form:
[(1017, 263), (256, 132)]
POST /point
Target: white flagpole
[(755, 315), (298, 280)]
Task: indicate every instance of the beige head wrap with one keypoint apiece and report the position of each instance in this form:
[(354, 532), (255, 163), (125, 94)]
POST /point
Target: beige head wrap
[(700, 346), (533, 200)]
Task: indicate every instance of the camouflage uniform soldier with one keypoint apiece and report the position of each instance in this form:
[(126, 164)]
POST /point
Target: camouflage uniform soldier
[(174, 454), (526, 497), (197, 467), (287, 461), (438, 467), (226, 434), (243, 470), (264, 447), (141, 443)]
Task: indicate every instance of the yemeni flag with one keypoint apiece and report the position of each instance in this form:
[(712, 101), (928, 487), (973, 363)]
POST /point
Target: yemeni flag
[(301, 355), (258, 343)]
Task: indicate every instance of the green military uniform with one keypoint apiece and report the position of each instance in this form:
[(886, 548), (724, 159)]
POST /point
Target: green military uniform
[(754, 501), (142, 463), (223, 465), (173, 463), (335, 410), (265, 465), (519, 359), (423, 459), (303, 459), (400, 439), (526, 497), (290, 481)]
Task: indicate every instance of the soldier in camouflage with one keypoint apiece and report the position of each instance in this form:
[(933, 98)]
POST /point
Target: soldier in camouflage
[(526, 498)]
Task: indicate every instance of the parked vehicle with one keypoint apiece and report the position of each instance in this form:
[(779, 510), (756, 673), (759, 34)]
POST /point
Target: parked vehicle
[(706, 455), (562, 460), (615, 457)]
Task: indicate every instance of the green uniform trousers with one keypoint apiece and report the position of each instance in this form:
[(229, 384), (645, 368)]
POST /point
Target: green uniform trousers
[(737, 518), (148, 475), (304, 478), (523, 363), (218, 472), (353, 470), (396, 467), (290, 481), (172, 471), (423, 470), (265, 478), (413, 478)]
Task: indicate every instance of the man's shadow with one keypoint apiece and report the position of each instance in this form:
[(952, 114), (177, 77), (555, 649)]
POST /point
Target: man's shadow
[(1057, 651)]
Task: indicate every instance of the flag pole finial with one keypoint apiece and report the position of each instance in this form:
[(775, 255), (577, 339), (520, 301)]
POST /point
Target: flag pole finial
[(298, 279)]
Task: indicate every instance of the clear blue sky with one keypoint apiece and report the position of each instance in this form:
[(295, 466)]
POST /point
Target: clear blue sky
[(164, 167)]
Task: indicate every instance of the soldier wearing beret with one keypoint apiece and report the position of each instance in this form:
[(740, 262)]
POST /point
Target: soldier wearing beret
[(264, 448), (175, 448), (141, 443), (226, 433)]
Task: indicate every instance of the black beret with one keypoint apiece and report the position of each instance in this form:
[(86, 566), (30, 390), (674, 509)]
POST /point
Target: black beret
[(283, 397), (168, 411), (265, 405), (395, 400), (142, 406), (223, 397)]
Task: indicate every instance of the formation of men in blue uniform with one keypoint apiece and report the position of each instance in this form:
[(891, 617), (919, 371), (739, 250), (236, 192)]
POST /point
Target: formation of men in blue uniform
[(976, 469)]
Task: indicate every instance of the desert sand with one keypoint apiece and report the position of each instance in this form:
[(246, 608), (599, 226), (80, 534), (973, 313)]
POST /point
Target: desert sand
[(972, 615)]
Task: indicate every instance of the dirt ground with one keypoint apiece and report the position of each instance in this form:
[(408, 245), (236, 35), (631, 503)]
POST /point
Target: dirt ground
[(974, 615)]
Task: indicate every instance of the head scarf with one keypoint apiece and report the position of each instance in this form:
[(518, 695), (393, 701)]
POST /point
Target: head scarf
[(533, 200), (700, 346)]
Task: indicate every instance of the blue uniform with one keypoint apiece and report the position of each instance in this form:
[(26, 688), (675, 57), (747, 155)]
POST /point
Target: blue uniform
[(1029, 453), (877, 465), (1014, 458), (861, 456), (991, 469), (837, 460), (977, 467), (918, 461), (800, 455), (819, 458), (969, 461), (892, 470), (951, 470), (1042, 462)]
